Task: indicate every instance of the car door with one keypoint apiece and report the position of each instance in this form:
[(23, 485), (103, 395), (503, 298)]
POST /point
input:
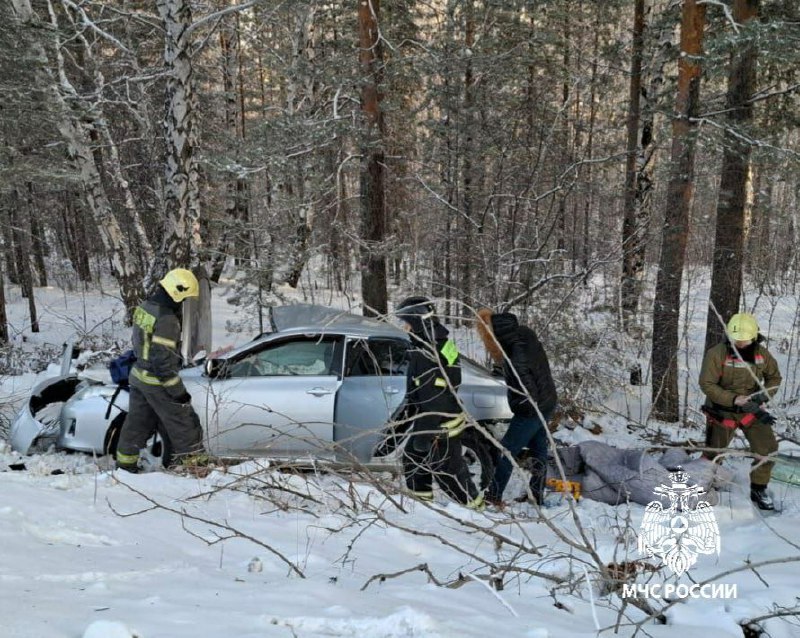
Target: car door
[(373, 387), (276, 400)]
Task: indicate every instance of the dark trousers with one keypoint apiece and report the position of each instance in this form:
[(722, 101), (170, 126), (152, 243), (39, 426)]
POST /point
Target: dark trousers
[(152, 408), (430, 456), (522, 431)]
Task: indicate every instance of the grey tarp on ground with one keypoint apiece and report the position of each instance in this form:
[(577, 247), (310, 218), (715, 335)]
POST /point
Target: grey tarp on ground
[(615, 475)]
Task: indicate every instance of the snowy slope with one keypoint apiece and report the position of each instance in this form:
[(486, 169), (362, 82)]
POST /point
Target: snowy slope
[(71, 558)]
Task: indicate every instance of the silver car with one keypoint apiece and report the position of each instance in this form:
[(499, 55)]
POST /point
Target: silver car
[(323, 384)]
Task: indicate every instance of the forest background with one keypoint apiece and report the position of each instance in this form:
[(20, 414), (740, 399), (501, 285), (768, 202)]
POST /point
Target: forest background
[(550, 157)]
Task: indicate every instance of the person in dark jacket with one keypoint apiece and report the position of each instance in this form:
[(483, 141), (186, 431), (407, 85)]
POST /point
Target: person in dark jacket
[(532, 397), (434, 374), (157, 393), (737, 377)]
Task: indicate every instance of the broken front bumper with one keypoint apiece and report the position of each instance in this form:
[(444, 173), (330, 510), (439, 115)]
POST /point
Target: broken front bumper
[(25, 430), (40, 416)]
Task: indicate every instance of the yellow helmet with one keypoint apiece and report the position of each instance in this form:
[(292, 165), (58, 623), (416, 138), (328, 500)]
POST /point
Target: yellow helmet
[(743, 327), (180, 283)]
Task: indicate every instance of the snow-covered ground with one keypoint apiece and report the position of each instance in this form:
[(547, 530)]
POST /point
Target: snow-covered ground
[(89, 553), (73, 555)]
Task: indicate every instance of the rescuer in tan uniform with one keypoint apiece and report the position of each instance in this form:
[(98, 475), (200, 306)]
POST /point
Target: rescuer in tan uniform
[(739, 376)]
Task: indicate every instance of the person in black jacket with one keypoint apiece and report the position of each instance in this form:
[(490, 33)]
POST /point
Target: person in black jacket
[(434, 374), (530, 386), (157, 394)]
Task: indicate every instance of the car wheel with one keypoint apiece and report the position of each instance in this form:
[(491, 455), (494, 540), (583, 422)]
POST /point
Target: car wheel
[(477, 453), (157, 453), (112, 436)]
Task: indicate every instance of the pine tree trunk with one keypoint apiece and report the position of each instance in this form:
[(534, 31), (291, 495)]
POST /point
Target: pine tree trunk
[(37, 244), (229, 222), (586, 251), (561, 193), (182, 196), (23, 245), (75, 238), (18, 242), (8, 244), (468, 176), (666, 311), (3, 316), (233, 238), (759, 250), (374, 291), (241, 246), (732, 202)]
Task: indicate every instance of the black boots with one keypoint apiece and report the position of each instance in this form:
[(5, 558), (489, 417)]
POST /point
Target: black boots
[(128, 467), (760, 496)]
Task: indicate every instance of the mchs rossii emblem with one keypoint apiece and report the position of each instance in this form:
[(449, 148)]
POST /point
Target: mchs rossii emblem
[(681, 531)]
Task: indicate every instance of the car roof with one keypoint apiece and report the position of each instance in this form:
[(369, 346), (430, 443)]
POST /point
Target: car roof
[(309, 319), (314, 318)]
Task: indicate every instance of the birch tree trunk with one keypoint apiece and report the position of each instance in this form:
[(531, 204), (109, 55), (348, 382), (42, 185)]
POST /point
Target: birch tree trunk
[(301, 96), (631, 266), (182, 197), (674, 235), (101, 134), (732, 202), (76, 131), (374, 291)]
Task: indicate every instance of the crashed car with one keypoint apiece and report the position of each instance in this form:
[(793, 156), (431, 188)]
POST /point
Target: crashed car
[(323, 384)]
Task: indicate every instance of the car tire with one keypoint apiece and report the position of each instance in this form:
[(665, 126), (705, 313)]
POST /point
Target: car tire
[(478, 456), (112, 435), (158, 450)]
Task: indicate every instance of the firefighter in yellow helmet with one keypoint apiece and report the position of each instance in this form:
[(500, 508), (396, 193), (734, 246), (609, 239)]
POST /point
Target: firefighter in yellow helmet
[(158, 398), (738, 376)]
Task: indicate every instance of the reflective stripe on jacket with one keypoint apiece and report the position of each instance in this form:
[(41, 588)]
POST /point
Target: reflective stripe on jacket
[(723, 376), (434, 375), (156, 342)]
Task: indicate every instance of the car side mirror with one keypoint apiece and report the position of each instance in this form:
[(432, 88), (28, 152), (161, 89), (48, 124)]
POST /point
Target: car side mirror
[(213, 366)]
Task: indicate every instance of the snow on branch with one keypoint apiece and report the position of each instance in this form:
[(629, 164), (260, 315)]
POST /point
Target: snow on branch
[(725, 9), (211, 17), (90, 24)]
